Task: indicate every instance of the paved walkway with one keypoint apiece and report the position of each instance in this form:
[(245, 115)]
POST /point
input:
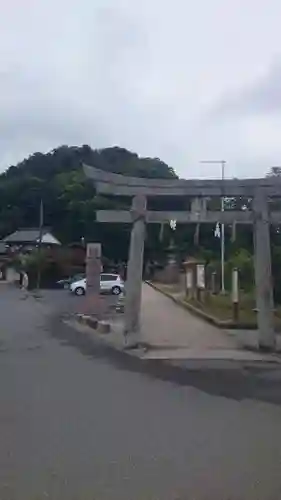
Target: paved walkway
[(173, 332)]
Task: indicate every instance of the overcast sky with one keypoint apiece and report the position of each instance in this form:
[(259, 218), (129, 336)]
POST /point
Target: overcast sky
[(181, 80)]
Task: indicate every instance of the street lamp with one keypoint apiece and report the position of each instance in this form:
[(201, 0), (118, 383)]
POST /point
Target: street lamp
[(222, 163), (39, 241)]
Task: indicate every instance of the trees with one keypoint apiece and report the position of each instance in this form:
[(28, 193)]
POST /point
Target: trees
[(69, 198), (70, 204)]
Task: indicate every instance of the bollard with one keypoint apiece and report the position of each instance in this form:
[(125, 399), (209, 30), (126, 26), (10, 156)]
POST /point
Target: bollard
[(214, 283)]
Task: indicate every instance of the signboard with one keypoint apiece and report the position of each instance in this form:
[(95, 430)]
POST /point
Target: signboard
[(200, 274), (189, 280)]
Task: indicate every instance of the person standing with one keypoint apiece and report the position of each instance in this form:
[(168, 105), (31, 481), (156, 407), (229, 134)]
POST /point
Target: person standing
[(24, 284), (25, 281)]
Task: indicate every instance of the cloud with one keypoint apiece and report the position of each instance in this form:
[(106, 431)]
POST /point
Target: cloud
[(143, 75), (261, 97)]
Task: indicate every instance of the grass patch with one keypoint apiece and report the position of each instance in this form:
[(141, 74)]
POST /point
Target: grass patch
[(220, 306)]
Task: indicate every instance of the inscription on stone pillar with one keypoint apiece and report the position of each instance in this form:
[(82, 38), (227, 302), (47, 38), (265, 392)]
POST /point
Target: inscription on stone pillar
[(93, 267), (93, 270)]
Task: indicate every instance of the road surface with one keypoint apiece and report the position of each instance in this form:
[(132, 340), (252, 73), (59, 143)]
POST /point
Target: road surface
[(80, 422)]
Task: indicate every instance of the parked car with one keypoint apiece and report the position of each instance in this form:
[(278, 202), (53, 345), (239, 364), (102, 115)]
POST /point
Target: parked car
[(66, 282), (108, 283)]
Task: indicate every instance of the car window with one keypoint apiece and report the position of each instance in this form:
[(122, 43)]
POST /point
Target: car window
[(108, 277), (77, 277)]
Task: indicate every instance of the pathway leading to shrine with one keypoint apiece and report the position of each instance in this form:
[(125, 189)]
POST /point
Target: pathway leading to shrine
[(173, 332)]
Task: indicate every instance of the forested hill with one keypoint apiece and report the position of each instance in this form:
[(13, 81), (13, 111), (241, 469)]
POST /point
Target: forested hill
[(69, 199)]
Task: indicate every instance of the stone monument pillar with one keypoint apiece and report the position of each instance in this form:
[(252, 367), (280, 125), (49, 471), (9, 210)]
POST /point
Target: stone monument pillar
[(93, 270)]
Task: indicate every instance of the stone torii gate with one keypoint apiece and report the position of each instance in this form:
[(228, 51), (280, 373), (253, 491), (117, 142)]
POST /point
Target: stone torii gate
[(139, 189)]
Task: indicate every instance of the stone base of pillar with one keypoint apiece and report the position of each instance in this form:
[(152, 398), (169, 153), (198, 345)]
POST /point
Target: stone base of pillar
[(266, 348), (132, 340)]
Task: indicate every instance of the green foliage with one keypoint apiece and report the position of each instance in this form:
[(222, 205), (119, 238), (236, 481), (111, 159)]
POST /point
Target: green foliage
[(70, 204), (50, 268), (274, 172), (69, 198), (17, 263), (243, 261)]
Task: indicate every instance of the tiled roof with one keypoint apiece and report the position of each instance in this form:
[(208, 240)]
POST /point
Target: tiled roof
[(31, 236)]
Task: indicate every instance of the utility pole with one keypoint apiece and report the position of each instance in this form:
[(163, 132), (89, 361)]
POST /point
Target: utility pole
[(222, 236), (41, 223)]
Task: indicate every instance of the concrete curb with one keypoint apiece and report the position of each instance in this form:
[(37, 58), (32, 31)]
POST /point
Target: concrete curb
[(229, 325), (101, 326), (98, 334), (192, 362)]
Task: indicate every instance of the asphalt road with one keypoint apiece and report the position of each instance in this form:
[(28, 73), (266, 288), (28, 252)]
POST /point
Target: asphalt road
[(79, 421)]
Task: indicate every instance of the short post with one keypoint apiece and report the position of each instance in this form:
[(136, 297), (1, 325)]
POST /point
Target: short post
[(200, 281), (235, 295), (214, 282)]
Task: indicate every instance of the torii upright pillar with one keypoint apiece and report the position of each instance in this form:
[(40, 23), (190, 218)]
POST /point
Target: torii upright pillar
[(263, 277), (132, 329)]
